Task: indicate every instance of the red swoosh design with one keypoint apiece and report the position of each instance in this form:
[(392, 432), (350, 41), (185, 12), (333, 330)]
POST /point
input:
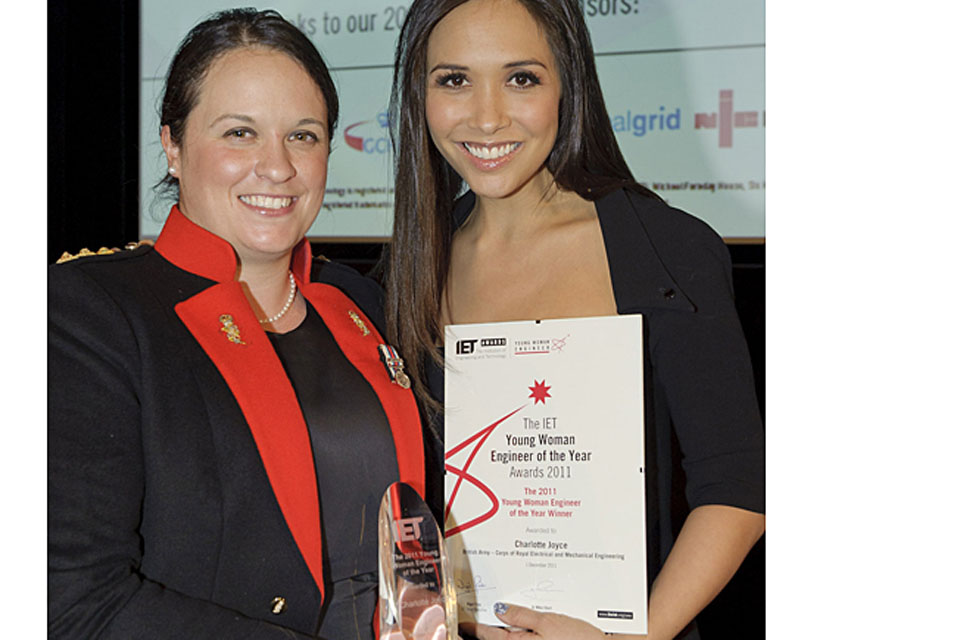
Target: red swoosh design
[(462, 475), (354, 141)]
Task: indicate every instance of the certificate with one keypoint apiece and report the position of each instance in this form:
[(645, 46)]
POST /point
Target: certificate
[(545, 469)]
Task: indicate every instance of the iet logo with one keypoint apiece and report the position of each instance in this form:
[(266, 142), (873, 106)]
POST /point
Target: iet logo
[(378, 143), (408, 529), (466, 346)]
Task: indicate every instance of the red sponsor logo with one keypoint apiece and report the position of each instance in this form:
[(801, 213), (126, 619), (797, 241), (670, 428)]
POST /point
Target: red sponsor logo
[(725, 119)]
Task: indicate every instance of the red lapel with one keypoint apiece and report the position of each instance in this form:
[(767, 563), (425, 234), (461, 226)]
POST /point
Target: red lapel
[(261, 387), (258, 382), (255, 376)]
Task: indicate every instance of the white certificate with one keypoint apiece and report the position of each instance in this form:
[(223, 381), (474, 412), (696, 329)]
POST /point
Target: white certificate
[(544, 469)]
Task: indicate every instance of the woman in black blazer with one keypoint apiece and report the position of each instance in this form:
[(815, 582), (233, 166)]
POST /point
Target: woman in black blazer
[(502, 96), (221, 423)]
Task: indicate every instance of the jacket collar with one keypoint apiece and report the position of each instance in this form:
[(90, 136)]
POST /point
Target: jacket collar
[(253, 372), (222, 322), (640, 279), (194, 249)]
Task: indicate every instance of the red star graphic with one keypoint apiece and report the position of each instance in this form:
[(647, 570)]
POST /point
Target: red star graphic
[(540, 392)]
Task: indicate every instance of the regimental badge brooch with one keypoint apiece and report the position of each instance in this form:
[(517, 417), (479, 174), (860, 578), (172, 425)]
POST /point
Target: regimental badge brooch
[(357, 320), (231, 329), (394, 364)]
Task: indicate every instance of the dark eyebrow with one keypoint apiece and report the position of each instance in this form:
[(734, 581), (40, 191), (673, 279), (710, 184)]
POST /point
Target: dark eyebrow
[(524, 63), (509, 65), (249, 120), (451, 67), (319, 123), (233, 116)]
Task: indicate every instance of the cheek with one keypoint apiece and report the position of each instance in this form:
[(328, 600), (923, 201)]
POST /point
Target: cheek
[(542, 117), (221, 166), (441, 114), (315, 171), (442, 118)]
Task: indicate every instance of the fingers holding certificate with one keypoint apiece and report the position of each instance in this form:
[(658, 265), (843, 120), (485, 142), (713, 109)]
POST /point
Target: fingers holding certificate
[(545, 469)]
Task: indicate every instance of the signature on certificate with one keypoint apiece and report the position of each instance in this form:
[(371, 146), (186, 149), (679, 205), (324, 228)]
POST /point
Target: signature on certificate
[(541, 589), (466, 585)]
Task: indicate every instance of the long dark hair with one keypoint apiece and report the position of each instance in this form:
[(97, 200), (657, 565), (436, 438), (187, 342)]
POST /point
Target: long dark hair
[(224, 32), (585, 159)]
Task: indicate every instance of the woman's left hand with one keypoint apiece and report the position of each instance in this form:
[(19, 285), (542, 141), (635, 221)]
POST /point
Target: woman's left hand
[(545, 626)]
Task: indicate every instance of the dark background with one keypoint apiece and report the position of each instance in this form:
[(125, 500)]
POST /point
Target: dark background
[(93, 169)]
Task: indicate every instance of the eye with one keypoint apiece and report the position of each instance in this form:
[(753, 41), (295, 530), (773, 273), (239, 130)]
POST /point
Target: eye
[(304, 136), (452, 80), (524, 80), (240, 133)]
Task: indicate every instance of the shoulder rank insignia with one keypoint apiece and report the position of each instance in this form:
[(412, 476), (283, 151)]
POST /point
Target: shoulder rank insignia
[(102, 251), (67, 257)]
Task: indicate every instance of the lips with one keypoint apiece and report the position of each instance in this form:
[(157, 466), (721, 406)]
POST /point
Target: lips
[(490, 152), (489, 156), (274, 203)]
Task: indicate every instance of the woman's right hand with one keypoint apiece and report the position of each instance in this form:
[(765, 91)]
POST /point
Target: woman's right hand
[(534, 625)]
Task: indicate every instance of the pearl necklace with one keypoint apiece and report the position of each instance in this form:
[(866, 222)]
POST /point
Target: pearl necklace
[(287, 305)]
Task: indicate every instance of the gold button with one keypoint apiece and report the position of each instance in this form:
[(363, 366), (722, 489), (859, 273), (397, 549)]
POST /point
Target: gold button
[(279, 605)]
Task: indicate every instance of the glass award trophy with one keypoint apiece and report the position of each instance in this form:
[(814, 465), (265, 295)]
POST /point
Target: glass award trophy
[(417, 598)]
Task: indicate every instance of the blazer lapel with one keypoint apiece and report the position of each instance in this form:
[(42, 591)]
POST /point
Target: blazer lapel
[(221, 321), (640, 279)]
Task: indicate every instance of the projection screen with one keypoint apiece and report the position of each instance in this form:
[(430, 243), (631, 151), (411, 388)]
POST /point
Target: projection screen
[(683, 82)]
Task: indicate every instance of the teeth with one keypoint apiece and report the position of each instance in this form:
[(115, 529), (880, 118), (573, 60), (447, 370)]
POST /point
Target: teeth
[(490, 153), (267, 202)]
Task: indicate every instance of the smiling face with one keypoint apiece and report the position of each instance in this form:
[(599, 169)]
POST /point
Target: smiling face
[(493, 96), (252, 164)]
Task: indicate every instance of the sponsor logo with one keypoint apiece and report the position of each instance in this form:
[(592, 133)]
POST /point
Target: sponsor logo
[(620, 615), (725, 119), (640, 124), (368, 136)]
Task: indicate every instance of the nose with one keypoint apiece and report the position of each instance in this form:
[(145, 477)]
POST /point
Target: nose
[(489, 113), (274, 162)]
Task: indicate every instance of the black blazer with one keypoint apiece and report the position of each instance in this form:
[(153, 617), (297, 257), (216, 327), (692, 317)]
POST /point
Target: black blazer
[(182, 497), (700, 398)]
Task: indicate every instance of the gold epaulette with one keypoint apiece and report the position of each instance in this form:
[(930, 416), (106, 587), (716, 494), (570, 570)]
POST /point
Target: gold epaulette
[(102, 251)]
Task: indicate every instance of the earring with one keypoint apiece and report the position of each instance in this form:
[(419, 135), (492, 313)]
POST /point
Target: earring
[(171, 171)]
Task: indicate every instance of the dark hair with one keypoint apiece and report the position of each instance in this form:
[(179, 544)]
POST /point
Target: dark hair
[(585, 159), (224, 32)]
